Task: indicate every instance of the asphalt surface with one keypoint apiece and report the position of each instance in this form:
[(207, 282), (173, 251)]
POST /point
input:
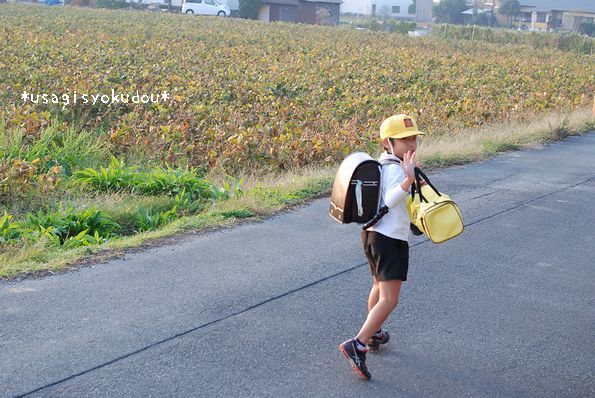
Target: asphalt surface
[(504, 310)]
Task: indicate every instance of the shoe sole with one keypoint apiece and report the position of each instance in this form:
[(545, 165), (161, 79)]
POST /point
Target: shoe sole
[(353, 365)]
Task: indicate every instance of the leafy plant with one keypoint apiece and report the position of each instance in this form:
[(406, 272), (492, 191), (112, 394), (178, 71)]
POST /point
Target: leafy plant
[(117, 176), (147, 220), (172, 182), (8, 230), (66, 223), (184, 203), (83, 238)]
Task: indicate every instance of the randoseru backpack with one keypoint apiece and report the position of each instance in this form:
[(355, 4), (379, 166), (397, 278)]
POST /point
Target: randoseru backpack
[(356, 191)]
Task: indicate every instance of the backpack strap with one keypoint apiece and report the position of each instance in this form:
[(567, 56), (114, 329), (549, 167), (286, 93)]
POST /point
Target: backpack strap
[(384, 162), (383, 210)]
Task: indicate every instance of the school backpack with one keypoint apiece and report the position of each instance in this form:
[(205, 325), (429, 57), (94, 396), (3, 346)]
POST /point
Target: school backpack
[(356, 191), (434, 213)]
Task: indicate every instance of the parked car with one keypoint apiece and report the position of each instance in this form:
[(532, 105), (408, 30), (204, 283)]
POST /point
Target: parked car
[(205, 7)]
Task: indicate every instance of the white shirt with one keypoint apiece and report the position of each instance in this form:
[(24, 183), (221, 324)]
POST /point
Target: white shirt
[(395, 223)]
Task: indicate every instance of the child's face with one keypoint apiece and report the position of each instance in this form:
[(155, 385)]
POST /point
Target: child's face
[(402, 145)]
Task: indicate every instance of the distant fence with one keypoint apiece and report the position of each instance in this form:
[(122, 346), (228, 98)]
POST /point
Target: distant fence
[(570, 42)]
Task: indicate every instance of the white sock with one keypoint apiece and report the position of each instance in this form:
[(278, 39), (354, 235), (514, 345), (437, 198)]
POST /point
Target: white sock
[(359, 345)]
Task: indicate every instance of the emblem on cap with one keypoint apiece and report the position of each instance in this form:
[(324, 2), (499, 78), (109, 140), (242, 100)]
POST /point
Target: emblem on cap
[(408, 122)]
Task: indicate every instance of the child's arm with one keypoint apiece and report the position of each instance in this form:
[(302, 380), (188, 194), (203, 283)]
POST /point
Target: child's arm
[(395, 195)]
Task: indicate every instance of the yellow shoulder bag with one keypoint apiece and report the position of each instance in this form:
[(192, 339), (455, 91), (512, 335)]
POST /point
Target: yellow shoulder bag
[(432, 212)]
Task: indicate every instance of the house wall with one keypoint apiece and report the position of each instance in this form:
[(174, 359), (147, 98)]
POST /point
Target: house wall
[(357, 6), (306, 13), (282, 12), (264, 13), (423, 11), (274, 16), (334, 12), (553, 19), (318, 13), (385, 8), (287, 13), (572, 20)]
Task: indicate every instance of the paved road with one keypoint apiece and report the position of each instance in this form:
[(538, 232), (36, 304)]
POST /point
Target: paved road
[(504, 310)]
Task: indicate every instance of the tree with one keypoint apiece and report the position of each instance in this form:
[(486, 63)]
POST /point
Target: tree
[(249, 8), (510, 8), (449, 11)]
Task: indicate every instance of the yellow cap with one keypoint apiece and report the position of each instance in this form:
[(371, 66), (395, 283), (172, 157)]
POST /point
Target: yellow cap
[(399, 126)]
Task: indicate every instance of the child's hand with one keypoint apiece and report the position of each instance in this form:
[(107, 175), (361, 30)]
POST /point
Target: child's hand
[(408, 165)]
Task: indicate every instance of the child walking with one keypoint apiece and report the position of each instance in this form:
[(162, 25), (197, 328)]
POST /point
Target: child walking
[(386, 243)]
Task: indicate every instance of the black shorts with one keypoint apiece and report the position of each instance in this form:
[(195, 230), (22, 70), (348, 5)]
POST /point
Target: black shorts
[(388, 257)]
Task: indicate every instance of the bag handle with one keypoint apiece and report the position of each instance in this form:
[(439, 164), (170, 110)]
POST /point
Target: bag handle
[(416, 186)]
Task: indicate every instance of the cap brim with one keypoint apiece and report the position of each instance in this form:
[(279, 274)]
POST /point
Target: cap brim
[(406, 134)]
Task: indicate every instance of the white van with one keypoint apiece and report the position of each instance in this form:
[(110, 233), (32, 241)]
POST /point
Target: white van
[(205, 7)]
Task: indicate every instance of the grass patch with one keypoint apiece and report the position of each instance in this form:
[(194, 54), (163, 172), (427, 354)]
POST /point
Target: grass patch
[(467, 145), (491, 147), (57, 145), (257, 196)]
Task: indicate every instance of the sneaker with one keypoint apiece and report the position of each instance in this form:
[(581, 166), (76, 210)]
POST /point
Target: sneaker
[(356, 357), (378, 339)]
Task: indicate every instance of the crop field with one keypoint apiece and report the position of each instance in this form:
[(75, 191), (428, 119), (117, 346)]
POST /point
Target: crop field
[(114, 122), (247, 94)]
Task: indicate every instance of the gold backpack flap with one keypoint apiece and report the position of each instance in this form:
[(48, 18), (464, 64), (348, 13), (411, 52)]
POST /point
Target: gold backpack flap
[(433, 212)]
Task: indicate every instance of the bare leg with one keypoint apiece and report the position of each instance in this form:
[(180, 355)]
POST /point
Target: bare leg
[(374, 295), (388, 299)]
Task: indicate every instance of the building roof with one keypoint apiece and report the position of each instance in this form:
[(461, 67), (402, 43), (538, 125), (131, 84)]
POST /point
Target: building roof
[(560, 5)]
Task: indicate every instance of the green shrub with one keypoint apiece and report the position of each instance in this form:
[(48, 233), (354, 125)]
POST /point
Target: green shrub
[(157, 181), (56, 145), (116, 177), (83, 239), (172, 182), (185, 203), (64, 224), (8, 230), (148, 220)]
